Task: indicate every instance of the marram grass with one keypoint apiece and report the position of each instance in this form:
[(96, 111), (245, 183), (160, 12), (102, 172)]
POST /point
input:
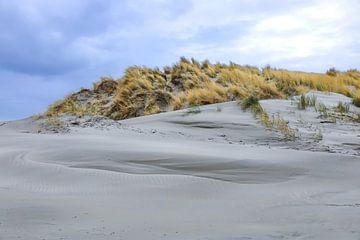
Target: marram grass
[(143, 91)]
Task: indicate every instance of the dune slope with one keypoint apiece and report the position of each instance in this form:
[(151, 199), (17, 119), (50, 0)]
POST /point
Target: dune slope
[(216, 173)]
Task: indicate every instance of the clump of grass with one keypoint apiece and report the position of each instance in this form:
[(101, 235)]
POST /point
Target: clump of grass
[(304, 102), (178, 102), (73, 107), (209, 69), (186, 75), (68, 105), (87, 101), (141, 91), (311, 100), (322, 109), (250, 102), (194, 110), (356, 101), (332, 72), (107, 85), (342, 108), (275, 122), (283, 127), (264, 117)]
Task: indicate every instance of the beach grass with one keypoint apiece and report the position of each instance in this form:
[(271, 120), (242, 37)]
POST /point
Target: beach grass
[(144, 91)]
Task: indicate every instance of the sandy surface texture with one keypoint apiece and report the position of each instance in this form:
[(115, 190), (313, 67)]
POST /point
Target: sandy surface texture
[(214, 174)]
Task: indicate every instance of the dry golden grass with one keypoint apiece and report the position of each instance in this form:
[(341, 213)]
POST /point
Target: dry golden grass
[(243, 82), (178, 102), (356, 98), (86, 101), (143, 91), (186, 75), (211, 93), (106, 85), (63, 106), (71, 106), (291, 83)]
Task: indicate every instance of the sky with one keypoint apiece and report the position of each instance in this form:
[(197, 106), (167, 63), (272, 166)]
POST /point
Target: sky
[(49, 49)]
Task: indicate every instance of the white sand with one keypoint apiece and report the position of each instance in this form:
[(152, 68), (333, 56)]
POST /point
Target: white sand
[(212, 175)]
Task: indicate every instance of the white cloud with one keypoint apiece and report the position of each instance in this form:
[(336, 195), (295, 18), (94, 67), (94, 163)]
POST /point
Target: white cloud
[(313, 30), (196, 16), (316, 29)]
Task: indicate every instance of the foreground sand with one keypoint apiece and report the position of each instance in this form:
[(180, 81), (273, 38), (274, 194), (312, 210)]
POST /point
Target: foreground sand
[(213, 175)]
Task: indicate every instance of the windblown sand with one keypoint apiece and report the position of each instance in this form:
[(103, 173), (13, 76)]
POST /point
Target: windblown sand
[(218, 174)]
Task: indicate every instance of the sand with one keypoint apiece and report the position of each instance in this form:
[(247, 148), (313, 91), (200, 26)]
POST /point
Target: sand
[(217, 174)]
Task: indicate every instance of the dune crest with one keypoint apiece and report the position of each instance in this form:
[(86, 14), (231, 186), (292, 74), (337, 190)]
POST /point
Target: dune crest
[(145, 91)]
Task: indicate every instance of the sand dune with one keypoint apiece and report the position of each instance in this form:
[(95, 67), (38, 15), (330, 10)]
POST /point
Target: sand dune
[(212, 175)]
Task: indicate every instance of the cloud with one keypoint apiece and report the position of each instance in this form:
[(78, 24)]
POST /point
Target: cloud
[(317, 29), (41, 37), (311, 31)]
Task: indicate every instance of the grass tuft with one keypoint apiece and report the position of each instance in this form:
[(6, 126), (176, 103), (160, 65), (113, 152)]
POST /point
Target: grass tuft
[(322, 109), (250, 102), (274, 122), (356, 99), (356, 102), (193, 110), (342, 108), (304, 102)]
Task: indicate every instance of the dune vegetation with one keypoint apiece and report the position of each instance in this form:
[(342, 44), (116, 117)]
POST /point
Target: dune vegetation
[(144, 91), (274, 122)]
